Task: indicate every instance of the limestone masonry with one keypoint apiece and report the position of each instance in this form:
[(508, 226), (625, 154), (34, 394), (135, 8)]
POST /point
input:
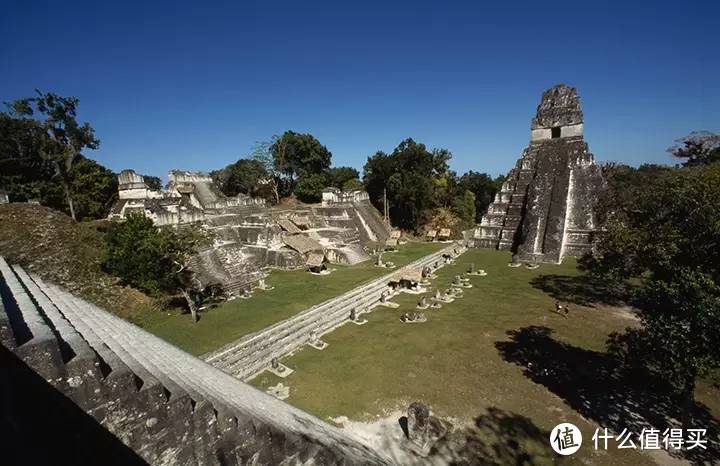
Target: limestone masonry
[(251, 236), (116, 392), (545, 209)]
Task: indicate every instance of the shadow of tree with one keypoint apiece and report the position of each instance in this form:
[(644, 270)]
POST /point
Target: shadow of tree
[(604, 390), (584, 290), (501, 437)]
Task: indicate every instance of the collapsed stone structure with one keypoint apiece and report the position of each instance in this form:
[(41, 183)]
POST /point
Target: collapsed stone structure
[(545, 208), (187, 197), (249, 235), (121, 391)]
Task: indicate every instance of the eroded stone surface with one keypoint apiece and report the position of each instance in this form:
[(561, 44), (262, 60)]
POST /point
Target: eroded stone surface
[(545, 209)]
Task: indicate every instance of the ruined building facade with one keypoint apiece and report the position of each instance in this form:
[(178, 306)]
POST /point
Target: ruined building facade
[(545, 209), (249, 235)]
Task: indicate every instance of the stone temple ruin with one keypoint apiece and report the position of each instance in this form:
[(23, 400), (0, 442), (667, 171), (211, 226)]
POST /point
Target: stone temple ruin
[(251, 236), (545, 208)]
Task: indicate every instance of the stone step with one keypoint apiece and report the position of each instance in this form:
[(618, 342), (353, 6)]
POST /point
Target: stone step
[(291, 324), (80, 319), (7, 337), (76, 346), (36, 343), (263, 334), (145, 352), (248, 359), (250, 423), (253, 353), (226, 389)]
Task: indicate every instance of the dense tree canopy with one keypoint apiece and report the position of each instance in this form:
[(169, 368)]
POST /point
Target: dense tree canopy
[(309, 187), (463, 207), (149, 258), (697, 148), (483, 186), (418, 182), (246, 176), (662, 229), (298, 154), (59, 138), (153, 182), (95, 189), (408, 174), (26, 174), (339, 177)]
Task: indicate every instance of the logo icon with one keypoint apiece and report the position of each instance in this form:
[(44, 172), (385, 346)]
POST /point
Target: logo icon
[(565, 438)]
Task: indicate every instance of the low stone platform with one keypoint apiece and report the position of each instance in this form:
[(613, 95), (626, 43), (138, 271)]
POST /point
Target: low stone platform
[(252, 354)]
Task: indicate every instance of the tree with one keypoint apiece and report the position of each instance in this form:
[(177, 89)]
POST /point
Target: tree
[(153, 182), (412, 177), (95, 188), (152, 259), (483, 186), (310, 186), (353, 184), (26, 175), (263, 154), (698, 148), (246, 176), (297, 154), (339, 176), (661, 229), (62, 137), (464, 207)]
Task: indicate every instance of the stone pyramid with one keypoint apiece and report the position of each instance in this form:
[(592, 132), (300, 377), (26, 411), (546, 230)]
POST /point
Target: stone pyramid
[(545, 210)]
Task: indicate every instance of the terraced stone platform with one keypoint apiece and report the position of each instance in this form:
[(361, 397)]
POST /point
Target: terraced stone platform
[(253, 353), (167, 406)]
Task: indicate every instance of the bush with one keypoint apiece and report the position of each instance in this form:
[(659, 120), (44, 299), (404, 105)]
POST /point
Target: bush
[(149, 258), (309, 188)]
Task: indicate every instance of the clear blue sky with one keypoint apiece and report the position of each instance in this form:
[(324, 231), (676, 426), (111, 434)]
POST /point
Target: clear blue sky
[(194, 84)]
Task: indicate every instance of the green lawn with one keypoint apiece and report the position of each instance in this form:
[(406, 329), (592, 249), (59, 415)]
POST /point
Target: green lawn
[(294, 291), (466, 366)]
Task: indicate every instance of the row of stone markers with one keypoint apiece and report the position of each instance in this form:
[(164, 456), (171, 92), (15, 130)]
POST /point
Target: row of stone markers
[(255, 353), (166, 405)]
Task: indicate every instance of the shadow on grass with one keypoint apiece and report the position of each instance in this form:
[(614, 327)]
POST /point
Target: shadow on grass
[(501, 437), (583, 290), (604, 391)]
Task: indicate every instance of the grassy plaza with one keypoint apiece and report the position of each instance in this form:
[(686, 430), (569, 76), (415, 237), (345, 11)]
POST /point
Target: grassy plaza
[(498, 356), (294, 291)]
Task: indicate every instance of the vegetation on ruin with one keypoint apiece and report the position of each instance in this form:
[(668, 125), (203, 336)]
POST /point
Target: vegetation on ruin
[(155, 260), (295, 291), (290, 164), (500, 356)]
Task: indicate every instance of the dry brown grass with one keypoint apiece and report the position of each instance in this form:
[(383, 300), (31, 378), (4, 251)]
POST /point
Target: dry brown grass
[(67, 253)]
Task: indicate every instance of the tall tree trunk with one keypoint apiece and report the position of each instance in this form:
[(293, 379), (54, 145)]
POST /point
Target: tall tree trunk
[(276, 192), (68, 197), (688, 401), (191, 305)]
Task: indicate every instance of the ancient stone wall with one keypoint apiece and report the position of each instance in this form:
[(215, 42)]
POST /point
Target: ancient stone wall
[(116, 392)]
